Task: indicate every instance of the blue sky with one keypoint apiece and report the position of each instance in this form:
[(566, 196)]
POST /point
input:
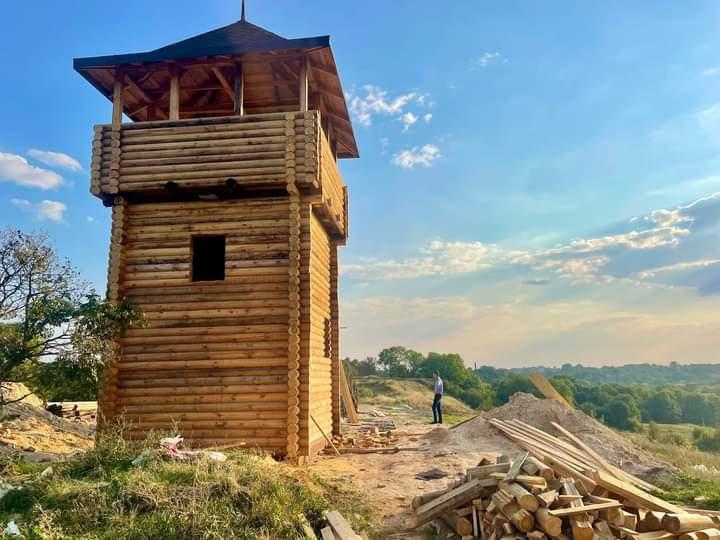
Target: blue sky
[(539, 182)]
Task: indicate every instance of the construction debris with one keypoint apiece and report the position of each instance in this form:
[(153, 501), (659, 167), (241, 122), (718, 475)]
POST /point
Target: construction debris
[(560, 489), (74, 410)]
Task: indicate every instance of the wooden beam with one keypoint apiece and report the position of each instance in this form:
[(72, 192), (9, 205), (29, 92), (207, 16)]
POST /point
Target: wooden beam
[(174, 93), (239, 90), (347, 396), (633, 494), (579, 509), (223, 82), (303, 85), (117, 110), (140, 92)]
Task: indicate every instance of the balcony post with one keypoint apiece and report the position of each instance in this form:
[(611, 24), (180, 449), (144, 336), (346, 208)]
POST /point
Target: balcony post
[(303, 82), (174, 93), (117, 110), (239, 90)]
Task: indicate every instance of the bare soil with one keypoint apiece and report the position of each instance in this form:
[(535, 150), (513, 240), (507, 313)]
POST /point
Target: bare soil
[(27, 430), (390, 482)]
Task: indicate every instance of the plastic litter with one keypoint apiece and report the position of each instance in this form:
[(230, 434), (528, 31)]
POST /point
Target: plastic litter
[(12, 529), (170, 445)]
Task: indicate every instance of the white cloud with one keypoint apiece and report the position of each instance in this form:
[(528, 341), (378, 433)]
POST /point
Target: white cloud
[(581, 260), (55, 159), (427, 117), (688, 265), (408, 119), (424, 155), (377, 101), (710, 72), (488, 58), (16, 169), (44, 210)]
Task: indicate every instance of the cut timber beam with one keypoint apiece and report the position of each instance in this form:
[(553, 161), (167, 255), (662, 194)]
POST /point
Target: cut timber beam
[(633, 494), (347, 397)]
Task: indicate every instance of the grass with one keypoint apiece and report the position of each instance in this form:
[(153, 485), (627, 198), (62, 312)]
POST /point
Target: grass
[(411, 393), (698, 480), (102, 495)]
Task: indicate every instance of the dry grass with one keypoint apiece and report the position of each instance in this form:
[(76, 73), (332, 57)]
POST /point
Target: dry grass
[(409, 393), (102, 494)]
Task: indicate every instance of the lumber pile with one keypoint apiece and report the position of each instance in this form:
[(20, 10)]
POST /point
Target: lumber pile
[(559, 490), (78, 410), (370, 433)]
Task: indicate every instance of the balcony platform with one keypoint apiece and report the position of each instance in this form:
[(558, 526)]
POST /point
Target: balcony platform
[(205, 157)]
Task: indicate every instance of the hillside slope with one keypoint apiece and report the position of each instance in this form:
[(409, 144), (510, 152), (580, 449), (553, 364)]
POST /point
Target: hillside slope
[(376, 392)]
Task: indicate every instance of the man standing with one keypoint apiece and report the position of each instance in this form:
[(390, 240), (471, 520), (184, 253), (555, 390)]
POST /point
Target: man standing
[(436, 408)]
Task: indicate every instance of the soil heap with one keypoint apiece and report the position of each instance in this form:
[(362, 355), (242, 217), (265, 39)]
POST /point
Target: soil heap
[(28, 430), (478, 435)]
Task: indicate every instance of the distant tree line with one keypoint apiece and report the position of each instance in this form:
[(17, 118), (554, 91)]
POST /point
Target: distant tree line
[(622, 406), (648, 374)]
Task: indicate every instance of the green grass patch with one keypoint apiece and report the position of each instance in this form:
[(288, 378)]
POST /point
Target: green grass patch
[(102, 495)]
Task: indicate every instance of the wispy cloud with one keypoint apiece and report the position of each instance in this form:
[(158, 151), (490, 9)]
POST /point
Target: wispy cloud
[(427, 117), (581, 260), (378, 102), (424, 156), (55, 159), (16, 169), (408, 119), (45, 210), (488, 58)]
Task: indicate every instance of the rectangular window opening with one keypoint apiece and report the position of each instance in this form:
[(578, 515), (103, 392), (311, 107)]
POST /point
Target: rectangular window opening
[(208, 258)]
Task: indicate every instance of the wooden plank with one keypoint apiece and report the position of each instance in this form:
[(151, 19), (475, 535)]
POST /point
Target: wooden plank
[(347, 396), (327, 534), (580, 524), (454, 498), (303, 85), (547, 389), (322, 432), (516, 467), (340, 527), (579, 509), (635, 495)]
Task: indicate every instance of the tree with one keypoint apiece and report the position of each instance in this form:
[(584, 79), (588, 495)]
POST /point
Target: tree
[(451, 367), (48, 314), (511, 384), (622, 414), (565, 387), (399, 362), (662, 407)]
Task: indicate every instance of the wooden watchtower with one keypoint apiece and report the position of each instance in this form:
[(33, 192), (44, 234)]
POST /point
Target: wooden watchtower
[(227, 212)]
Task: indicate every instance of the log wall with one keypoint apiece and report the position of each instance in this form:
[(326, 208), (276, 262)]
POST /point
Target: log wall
[(252, 357), (202, 153), (316, 332), (213, 356)]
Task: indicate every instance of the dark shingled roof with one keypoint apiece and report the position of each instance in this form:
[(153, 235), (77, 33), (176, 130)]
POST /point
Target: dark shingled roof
[(237, 38)]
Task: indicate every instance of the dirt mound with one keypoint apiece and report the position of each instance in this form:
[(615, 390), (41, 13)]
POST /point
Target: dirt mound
[(541, 413), (28, 430)]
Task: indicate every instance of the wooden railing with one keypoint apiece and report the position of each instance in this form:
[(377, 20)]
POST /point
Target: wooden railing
[(334, 200), (256, 151)]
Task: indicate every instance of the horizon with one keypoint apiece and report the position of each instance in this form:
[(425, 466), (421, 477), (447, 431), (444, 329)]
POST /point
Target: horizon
[(535, 187)]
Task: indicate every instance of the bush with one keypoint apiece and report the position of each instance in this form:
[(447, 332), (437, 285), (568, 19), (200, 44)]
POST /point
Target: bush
[(707, 439)]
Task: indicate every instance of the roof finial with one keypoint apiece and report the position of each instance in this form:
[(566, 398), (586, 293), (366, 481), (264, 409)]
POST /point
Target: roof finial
[(242, 11)]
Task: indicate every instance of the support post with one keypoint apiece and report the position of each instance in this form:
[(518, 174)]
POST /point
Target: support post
[(174, 93), (117, 111), (303, 82), (239, 90)]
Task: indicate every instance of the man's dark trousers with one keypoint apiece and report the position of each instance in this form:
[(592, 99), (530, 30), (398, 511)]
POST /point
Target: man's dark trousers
[(437, 409)]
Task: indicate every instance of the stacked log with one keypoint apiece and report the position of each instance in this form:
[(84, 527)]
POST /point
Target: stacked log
[(543, 496), (75, 410)]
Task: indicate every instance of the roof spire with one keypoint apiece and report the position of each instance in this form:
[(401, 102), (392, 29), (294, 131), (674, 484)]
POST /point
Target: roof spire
[(242, 11)]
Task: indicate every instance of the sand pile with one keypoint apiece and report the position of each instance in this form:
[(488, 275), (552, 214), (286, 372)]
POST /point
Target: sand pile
[(478, 435), (28, 430)]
